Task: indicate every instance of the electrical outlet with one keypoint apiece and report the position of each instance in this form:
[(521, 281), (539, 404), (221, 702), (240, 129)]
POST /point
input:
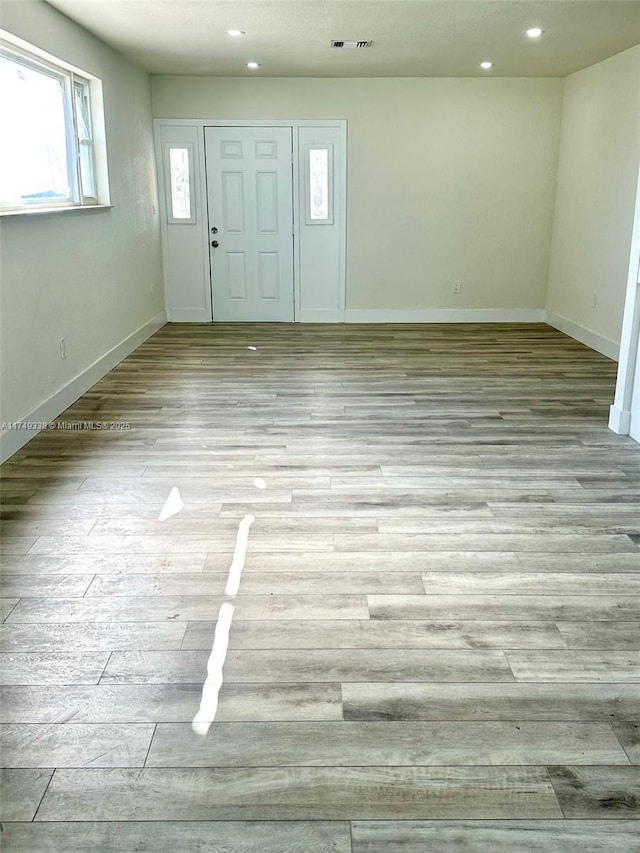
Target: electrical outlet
[(63, 348), (594, 300), (456, 286)]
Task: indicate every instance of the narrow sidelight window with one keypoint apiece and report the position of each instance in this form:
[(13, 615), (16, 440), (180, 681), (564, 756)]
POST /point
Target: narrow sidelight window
[(319, 185), (179, 159)]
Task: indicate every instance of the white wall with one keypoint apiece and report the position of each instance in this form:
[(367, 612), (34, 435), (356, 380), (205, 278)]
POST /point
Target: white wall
[(597, 172), (91, 277), (447, 178)]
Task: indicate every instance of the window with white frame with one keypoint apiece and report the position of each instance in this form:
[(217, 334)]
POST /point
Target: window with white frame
[(179, 183), (319, 184), (47, 148)]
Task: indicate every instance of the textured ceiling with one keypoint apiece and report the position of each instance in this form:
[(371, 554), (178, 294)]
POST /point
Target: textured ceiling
[(422, 38)]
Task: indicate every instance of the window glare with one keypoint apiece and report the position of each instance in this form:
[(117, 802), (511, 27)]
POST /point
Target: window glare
[(47, 156), (34, 153)]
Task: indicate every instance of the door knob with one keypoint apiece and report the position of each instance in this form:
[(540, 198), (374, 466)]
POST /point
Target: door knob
[(215, 244)]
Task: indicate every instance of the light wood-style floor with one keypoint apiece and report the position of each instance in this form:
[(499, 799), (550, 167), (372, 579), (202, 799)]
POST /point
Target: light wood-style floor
[(435, 646)]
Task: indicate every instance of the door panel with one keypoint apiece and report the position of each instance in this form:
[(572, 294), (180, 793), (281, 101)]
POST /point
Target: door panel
[(236, 276), (250, 203), (267, 202), (185, 254), (232, 202), (269, 275), (321, 218)]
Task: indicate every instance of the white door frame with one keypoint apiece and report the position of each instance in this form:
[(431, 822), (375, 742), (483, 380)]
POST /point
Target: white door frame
[(625, 399), (250, 206), (201, 186)]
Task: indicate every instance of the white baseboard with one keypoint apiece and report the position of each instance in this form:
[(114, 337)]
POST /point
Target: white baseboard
[(188, 315), (12, 440), (445, 315), (591, 339), (312, 316), (619, 420)]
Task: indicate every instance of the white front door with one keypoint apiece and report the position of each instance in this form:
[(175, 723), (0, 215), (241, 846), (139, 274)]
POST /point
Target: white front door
[(250, 212)]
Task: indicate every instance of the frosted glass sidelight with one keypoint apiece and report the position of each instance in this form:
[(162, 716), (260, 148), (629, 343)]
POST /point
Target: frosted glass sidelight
[(179, 178), (318, 185)]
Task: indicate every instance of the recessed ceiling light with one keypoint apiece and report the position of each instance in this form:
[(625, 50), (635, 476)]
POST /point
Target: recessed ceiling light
[(253, 65), (534, 32), (235, 33), (486, 65)]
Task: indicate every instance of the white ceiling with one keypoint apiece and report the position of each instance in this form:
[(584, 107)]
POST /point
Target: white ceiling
[(423, 38)]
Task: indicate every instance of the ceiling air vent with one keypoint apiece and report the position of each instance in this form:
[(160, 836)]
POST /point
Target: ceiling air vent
[(350, 44)]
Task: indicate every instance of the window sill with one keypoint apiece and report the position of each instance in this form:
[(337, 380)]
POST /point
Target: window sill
[(40, 211)]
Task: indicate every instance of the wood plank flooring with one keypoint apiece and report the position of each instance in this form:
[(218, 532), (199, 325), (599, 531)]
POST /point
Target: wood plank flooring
[(435, 644)]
